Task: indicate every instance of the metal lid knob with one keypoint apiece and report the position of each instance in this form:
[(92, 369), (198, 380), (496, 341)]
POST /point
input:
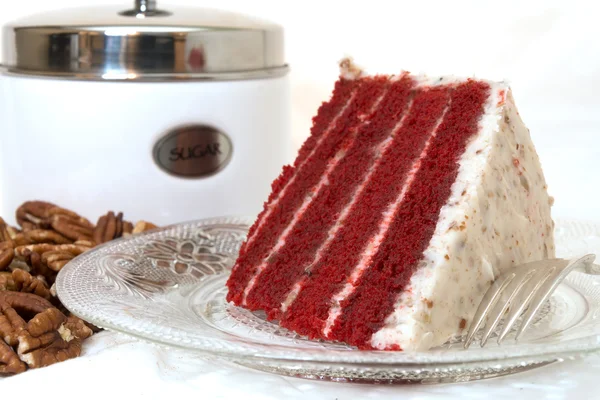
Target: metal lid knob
[(145, 8), (145, 5)]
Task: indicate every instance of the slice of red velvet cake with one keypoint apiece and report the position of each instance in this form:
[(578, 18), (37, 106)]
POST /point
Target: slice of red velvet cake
[(410, 195)]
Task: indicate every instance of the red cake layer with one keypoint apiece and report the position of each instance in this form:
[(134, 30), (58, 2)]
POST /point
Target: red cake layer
[(309, 312), (294, 259), (364, 312), (307, 175), (372, 184)]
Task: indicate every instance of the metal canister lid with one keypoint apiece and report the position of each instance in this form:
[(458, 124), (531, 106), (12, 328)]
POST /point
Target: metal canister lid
[(144, 43)]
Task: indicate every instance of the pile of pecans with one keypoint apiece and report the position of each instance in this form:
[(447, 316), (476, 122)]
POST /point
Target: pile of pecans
[(36, 330)]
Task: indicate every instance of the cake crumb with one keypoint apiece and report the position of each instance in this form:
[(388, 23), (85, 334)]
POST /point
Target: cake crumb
[(452, 226), (349, 70)]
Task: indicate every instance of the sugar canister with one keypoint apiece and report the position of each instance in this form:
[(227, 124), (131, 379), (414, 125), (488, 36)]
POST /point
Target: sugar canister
[(164, 113)]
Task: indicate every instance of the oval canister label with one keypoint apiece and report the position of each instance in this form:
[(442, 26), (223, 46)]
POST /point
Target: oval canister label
[(193, 151)]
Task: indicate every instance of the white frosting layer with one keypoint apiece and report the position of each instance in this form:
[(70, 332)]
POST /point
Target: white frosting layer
[(498, 215)]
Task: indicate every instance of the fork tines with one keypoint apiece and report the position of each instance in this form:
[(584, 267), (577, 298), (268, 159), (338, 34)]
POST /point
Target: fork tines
[(522, 288)]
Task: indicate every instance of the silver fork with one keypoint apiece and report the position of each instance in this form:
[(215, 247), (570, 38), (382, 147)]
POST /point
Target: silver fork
[(526, 286)]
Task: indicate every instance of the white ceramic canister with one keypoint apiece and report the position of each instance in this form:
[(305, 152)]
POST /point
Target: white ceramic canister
[(165, 114)]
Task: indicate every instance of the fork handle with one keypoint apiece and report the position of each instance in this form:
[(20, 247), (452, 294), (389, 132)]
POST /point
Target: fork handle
[(586, 265)]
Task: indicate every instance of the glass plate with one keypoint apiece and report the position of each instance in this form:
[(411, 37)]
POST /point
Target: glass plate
[(168, 287)]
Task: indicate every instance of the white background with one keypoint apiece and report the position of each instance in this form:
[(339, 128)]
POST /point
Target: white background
[(548, 50)]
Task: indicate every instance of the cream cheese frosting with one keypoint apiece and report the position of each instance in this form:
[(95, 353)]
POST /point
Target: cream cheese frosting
[(498, 216)]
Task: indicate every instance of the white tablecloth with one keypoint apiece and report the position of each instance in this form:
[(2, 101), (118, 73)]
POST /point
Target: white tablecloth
[(115, 366)]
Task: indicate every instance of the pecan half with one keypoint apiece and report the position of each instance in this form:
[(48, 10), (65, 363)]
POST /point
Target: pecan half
[(47, 321), (21, 239), (34, 261), (143, 226), (92, 327), (52, 257), (78, 327), (56, 260), (10, 363), (108, 227), (51, 337), (74, 228), (45, 236), (16, 309), (39, 248), (4, 231), (62, 254), (119, 225), (34, 214), (25, 302), (127, 228), (51, 349), (25, 282), (7, 282), (7, 253), (85, 243), (42, 248), (63, 211), (11, 324)]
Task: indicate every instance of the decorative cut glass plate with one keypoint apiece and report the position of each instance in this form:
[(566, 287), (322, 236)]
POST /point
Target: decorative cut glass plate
[(168, 287)]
